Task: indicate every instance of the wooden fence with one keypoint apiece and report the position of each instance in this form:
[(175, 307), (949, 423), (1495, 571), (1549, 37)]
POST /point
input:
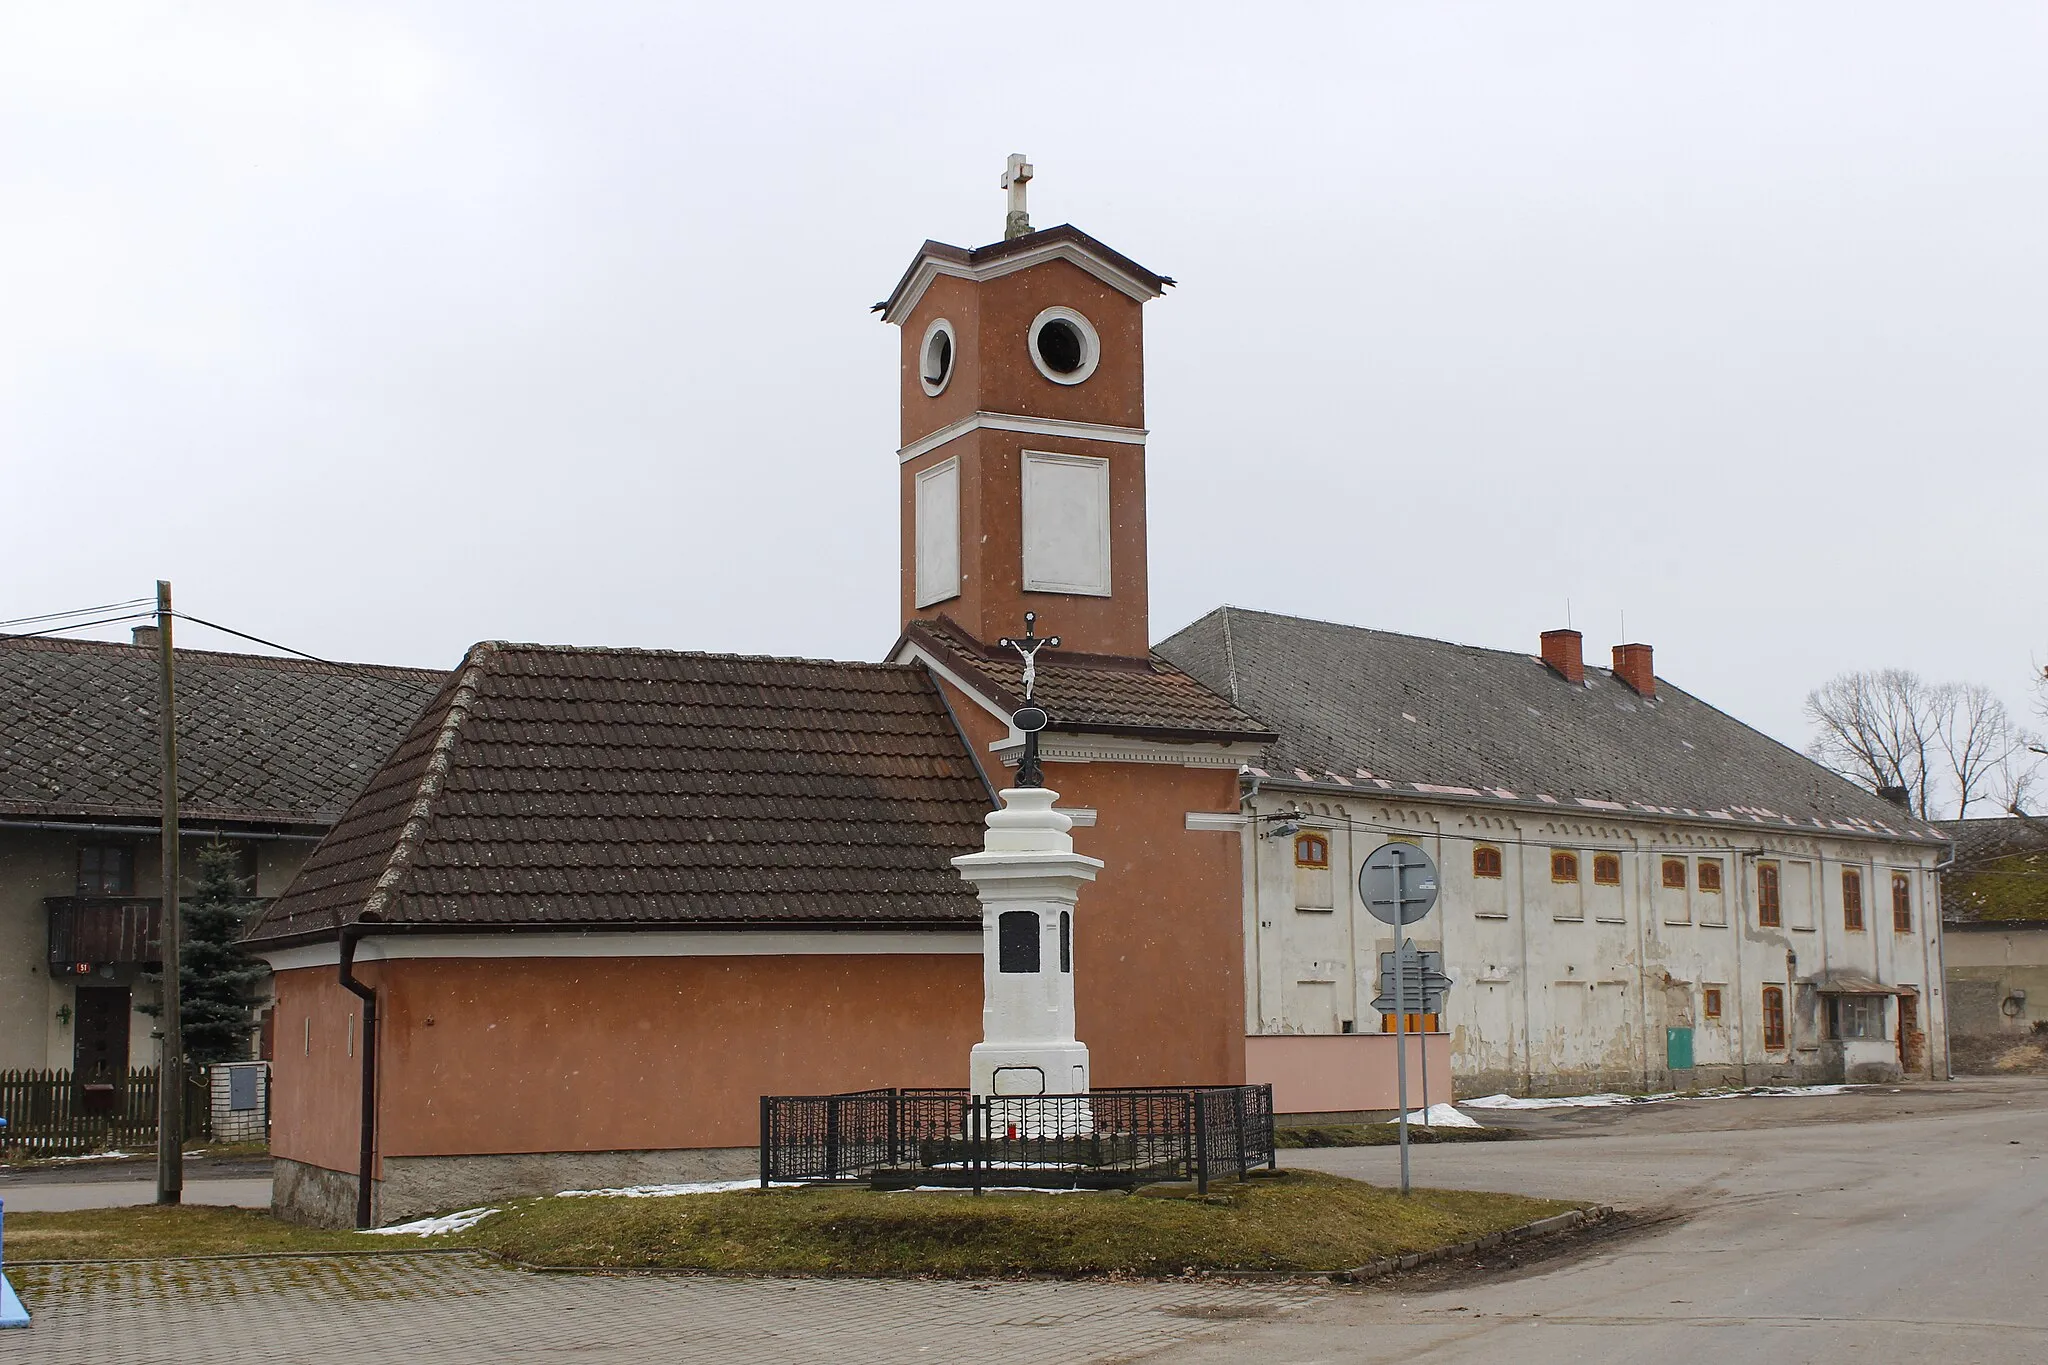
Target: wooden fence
[(50, 1114)]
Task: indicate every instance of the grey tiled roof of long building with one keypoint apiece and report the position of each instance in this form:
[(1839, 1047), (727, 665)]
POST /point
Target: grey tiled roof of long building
[(1371, 711), (261, 740)]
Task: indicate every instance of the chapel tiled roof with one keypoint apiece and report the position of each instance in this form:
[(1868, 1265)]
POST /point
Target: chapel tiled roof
[(2000, 873), (1092, 693), (260, 740), (555, 786), (1374, 711)]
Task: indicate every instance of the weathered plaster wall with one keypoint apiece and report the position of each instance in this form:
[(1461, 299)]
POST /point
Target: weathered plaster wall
[(33, 864), (38, 863), (1570, 985), (1987, 965)]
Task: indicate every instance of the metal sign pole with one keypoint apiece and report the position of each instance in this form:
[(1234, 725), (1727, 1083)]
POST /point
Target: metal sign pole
[(1398, 885), (1401, 1059)]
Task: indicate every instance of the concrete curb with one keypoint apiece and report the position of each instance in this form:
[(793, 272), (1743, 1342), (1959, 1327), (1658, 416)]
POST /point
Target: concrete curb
[(1542, 1227)]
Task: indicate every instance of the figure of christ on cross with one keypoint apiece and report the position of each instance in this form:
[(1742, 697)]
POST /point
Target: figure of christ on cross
[(1030, 718)]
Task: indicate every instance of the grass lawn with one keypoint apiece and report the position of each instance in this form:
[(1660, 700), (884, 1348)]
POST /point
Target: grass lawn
[(1382, 1135), (1295, 1221)]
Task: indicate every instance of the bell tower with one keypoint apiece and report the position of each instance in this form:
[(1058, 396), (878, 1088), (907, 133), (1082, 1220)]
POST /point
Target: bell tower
[(1022, 391)]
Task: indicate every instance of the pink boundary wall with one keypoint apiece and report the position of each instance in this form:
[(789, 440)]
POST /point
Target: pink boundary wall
[(1335, 1073)]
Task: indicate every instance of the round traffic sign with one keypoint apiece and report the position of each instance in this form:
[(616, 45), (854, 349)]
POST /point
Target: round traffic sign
[(1398, 883)]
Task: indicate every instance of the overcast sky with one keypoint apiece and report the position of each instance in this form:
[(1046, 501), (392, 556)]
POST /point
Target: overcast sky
[(384, 329)]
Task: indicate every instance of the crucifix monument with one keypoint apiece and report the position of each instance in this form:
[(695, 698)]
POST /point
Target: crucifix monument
[(1028, 877)]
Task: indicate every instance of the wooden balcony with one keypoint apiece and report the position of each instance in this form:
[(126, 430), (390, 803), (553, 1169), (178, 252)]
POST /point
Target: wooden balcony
[(90, 932)]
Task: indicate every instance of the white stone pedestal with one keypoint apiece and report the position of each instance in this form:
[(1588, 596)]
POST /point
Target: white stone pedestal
[(1028, 877)]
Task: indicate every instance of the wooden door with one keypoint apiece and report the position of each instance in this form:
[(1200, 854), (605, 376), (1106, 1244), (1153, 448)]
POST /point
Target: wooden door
[(99, 1059)]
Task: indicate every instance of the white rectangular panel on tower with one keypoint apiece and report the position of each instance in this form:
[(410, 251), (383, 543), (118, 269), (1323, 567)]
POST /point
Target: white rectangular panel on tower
[(1066, 523), (938, 533)]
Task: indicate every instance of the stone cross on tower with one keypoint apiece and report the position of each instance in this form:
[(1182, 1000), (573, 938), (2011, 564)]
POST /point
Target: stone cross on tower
[(1015, 178)]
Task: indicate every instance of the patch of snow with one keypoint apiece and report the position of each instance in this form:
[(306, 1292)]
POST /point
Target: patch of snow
[(1443, 1116), (94, 1156), (435, 1227), (665, 1191), (1609, 1100)]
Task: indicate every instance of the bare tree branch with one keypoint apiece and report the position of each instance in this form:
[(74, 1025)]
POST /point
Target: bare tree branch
[(1876, 730), (1979, 745), (1950, 746)]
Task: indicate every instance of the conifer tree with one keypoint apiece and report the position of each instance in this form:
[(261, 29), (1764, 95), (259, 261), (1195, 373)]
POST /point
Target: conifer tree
[(219, 982)]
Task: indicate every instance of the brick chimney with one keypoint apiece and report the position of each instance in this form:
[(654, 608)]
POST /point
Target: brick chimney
[(145, 635), (1632, 665), (1565, 651)]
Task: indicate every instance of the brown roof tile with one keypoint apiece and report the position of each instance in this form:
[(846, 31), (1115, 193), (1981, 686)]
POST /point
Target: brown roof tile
[(1092, 693), (585, 787)]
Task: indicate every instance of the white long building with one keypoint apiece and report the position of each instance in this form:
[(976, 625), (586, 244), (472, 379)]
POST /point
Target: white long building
[(1638, 889)]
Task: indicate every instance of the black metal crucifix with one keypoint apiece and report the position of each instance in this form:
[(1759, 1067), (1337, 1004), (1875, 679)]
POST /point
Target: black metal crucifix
[(1030, 718)]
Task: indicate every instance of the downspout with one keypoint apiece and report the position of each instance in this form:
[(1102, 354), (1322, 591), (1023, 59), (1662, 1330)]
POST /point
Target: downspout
[(1941, 954), (367, 1156)]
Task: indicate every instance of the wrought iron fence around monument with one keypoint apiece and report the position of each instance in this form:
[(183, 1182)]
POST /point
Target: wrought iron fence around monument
[(1106, 1139)]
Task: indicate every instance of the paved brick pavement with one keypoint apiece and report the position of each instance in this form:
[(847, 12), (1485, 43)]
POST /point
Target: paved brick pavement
[(445, 1309)]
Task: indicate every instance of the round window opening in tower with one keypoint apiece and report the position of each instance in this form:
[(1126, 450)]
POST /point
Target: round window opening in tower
[(935, 358), (1059, 346), (1064, 346)]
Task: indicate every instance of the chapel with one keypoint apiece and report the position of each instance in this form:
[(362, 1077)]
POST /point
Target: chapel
[(597, 902)]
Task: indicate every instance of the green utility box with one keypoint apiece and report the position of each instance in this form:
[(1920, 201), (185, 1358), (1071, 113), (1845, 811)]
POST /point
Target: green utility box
[(1678, 1049)]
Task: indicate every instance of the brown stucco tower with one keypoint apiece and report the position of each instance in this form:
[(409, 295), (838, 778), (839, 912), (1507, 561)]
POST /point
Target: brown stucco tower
[(1022, 382)]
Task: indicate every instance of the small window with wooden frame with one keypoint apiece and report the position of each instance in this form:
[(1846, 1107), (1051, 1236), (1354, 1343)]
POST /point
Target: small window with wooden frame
[(1708, 878), (1902, 903), (1852, 900), (1486, 861), (1311, 850), (1710, 1002), (1607, 869), (1564, 865), (1768, 913), (106, 870), (1774, 1018), (1674, 874)]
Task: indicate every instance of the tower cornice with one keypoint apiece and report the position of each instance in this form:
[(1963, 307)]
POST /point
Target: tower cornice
[(1063, 243)]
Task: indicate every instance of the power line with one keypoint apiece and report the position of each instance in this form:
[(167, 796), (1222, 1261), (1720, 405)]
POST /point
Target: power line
[(76, 611), (253, 639), (80, 625)]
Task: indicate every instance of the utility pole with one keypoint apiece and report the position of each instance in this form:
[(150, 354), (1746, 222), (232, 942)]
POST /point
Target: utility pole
[(170, 1072)]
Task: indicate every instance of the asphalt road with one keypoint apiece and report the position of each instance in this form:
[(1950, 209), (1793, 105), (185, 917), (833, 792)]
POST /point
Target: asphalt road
[(1894, 1225), (112, 1184)]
